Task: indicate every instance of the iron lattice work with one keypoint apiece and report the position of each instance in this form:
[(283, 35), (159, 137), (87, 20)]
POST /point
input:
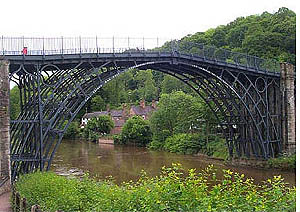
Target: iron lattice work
[(53, 88)]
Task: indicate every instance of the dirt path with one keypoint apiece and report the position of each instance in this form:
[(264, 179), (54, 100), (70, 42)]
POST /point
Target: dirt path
[(4, 202)]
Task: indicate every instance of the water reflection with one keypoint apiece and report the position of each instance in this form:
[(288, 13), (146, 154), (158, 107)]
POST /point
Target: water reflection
[(125, 163)]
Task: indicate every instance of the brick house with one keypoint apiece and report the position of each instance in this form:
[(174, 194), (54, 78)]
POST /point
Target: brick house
[(119, 117)]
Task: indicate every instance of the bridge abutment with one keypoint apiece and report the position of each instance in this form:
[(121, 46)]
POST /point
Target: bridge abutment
[(4, 127), (287, 85)]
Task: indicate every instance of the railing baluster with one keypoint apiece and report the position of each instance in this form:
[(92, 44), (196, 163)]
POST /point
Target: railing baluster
[(113, 42), (62, 45)]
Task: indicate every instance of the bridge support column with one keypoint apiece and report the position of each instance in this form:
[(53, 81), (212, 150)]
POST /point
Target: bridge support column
[(4, 127), (287, 85)]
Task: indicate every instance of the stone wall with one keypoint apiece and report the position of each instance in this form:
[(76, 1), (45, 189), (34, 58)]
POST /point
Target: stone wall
[(4, 123), (288, 107)]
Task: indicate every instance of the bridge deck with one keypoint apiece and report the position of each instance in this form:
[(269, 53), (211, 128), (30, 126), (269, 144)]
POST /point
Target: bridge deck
[(142, 56)]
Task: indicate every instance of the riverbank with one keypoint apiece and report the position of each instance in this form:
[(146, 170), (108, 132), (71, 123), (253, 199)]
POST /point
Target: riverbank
[(287, 163)]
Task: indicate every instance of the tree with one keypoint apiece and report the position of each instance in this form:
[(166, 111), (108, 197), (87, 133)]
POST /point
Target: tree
[(136, 130), (98, 125), (270, 36), (170, 84), (104, 125), (146, 85), (97, 103), (179, 113)]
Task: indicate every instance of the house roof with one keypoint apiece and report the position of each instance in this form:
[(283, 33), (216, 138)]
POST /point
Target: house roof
[(138, 110), (116, 113), (113, 113), (94, 114)]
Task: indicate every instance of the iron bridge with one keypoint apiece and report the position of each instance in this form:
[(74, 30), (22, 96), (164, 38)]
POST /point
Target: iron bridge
[(57, 76)]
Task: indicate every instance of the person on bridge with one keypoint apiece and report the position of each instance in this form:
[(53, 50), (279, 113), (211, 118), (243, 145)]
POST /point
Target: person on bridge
[(24, 51)]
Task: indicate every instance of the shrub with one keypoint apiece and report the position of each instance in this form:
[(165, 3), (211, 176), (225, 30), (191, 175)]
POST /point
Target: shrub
[(136, 130), (183, 143), (173, 190), (72, 131), (97, 126), (215, 147)]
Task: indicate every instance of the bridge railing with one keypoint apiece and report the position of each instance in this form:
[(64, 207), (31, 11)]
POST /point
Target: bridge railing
[(75, 45), (80, 45), (225, 56)]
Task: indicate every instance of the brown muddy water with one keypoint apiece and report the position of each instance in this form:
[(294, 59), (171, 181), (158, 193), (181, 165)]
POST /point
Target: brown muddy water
[(124, 163)]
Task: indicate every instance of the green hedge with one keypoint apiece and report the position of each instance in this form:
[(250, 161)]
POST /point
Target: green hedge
[(192, 143), (173, 190)]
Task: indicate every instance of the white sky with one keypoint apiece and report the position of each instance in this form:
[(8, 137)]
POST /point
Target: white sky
[(122, 18)]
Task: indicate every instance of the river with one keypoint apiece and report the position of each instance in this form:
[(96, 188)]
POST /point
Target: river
[(125, 163)]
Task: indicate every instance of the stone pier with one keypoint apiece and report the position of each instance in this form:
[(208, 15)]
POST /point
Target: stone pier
[(4, 127), (287, 85)]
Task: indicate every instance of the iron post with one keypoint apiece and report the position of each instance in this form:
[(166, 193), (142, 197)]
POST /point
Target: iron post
[(62, 45), (80, 44), (43, 46), (128, 44), (97, 45), (143, 44), (113, 43)]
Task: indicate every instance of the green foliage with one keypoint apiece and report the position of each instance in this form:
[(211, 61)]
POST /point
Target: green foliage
[(104, 125), (97, 103), (173, 190), (14, 106), (215, 147), (72, 131), (179, 113), (270, 36), (184, 143), (136, 130), (283, 162), (171, 84), (98, 126), (146, 85)]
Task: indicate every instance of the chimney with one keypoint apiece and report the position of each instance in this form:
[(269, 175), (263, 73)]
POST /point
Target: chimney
[(107, 108), (142, 103), (124, 112), (153, 104)]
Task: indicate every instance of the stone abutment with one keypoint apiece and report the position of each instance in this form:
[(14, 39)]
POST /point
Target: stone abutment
[(4, 128)]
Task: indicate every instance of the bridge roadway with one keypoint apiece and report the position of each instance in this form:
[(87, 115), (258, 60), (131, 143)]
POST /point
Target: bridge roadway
[(65, 61)]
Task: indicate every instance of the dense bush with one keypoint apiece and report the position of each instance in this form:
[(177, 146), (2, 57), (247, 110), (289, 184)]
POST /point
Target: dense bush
[(73, 131), (173, 190), (179, 113), (184, 143), (136, 130), (97, 126)]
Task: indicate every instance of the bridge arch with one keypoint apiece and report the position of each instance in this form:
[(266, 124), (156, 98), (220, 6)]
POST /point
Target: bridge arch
[(52, 94)]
